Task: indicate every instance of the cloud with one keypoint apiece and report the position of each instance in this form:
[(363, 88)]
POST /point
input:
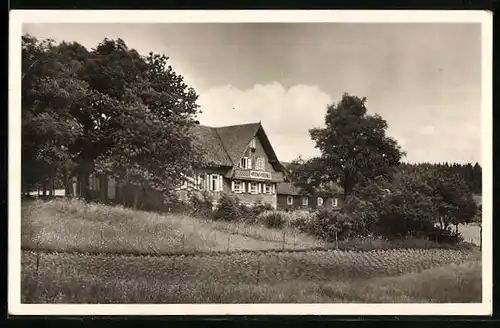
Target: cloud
[(427, 130), (286, 114)]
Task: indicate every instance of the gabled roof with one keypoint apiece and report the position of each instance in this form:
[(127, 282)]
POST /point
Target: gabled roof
[(225, 145), (215, 153), (236, 138)]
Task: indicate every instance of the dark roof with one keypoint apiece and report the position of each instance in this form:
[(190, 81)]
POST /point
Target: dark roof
[(288, 188), (236, 138), (215, 153), (225, 145)]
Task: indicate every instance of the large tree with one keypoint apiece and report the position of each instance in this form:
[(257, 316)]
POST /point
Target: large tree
[(353, 146), (50, 88), (113, 110)]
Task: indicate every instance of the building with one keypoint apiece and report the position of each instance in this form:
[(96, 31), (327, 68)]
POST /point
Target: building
[(292, 197), (240, 160)]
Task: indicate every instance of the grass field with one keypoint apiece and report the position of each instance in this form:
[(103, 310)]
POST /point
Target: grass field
[(404, 275), (75, 226)]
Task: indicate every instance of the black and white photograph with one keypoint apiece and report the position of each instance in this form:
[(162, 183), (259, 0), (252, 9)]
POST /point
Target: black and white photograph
[(269, 162)]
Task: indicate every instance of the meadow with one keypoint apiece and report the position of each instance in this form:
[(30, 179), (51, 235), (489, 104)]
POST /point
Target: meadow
[(61, 225), (211, 270)]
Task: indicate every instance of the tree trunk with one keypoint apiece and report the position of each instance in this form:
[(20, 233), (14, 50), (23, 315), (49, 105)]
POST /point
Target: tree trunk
[(68, 186), (53, 184), (103, 185), (85, 185), (136, 197)]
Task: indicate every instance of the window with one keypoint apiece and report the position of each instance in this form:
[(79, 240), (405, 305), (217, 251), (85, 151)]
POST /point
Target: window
[(245, 163), (260, 164), (289, 200), (237, 188), (253, 187), (320, 201), (215, 182), (335, 202), (305, 201), (268, 188), (252, 143)]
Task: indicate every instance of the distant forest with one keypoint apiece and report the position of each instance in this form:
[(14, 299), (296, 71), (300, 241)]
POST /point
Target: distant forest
[(471, 174)]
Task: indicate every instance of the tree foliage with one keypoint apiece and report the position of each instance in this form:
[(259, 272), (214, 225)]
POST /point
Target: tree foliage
[(353, 145), (108, 110), (422, 197), (471, 174)]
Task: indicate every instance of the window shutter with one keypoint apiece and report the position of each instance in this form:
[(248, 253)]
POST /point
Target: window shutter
[(220, 183), (274, 188), (242, 186), (209, 182), (249, 163), (232, 185)]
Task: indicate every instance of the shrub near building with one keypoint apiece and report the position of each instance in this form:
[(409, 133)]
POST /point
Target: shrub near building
[(230, 208)]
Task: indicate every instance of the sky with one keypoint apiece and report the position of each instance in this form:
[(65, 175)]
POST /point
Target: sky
[(423, 79)]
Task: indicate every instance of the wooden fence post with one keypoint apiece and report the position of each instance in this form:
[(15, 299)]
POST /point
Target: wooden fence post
[(37, 257), (258, 272), (173, 267), (283, 242)]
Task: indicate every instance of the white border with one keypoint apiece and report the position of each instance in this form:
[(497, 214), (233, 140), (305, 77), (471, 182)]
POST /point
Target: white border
[(18, 17)]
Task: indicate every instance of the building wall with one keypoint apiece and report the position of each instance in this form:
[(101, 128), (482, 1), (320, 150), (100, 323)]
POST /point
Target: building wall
[(250, 199), (245, 197), (256, 153), (312, 202)]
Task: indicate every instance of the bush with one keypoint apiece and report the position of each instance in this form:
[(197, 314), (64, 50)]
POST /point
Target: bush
[(247, 214), (330, 224), (172, 204), (300, 219), (406, 214), (228, 209), (250, 213), (201, 206), (273, 219), (260, 207), (365, 212)]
